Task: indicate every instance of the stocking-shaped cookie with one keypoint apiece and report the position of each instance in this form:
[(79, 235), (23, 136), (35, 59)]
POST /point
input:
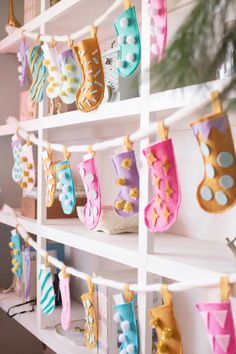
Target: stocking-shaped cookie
[(47, 299), (163, 319), (91, 329), (126, 27), (158, 13), (217, 191), (162, 211), (92, 209), (126, 318), (218, 320), (127, 201), (66, 301), (38, 71), (71, 76), (22, 59), (50, 176), (16, 254), (91, 93), (27, 159), (66, 185), (17, 171), (54, 71)]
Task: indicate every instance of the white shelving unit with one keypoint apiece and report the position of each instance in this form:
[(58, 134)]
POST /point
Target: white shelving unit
[(172, 256)]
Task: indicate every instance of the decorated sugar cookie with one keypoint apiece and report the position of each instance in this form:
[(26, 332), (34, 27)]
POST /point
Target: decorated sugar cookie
[(128, 337), (71, 76), (90, 95), (162, 211), (218, 321), (66, 300), (127, 201), (50, 177), (47, 300), (158, 13), (163, 319), (65, 184), (126, 27), (91, 328), (54, 71), (16, 253), (92, 209), (217, 191), (18, 168), (38, 71), (29, 175)]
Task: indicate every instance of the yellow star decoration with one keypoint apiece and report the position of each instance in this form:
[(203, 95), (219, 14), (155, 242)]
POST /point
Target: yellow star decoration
[(154, 216), (151, 158), (166, 165), (157, 181), (126, 163), (169, 191), (166, 214), (158, 201)]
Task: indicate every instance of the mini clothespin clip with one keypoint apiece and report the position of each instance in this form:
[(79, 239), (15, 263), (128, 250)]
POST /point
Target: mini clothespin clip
[(64, 272), (128, 143), (231, 245), (53, 42), (46, 261), (22, 34), (27, 239), (66, 153), (90, 285), (166, 295), (93, 31), (225, 289), (216, 102), (28, 142), (70, 42), (163, 130), (91, 151), (128, 294), (127, 4), (38, 40)]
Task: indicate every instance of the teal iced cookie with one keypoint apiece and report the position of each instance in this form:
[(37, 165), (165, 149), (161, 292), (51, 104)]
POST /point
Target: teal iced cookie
[(126, 27)]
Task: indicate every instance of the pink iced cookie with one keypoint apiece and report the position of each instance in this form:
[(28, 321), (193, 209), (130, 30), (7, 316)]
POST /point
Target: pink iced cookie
[(162, 211), (92, 209), (66, 302), (218, 321), (27, 159), (158, 14)]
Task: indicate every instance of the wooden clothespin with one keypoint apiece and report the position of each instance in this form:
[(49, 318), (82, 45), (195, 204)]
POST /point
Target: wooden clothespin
[(225, 289), (216, 102)]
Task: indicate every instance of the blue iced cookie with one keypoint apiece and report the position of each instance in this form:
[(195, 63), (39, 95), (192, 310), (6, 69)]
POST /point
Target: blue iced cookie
[(16, 254)]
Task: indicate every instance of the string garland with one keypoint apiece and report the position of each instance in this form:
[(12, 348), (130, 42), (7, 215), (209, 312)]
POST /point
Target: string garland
[(174, 287), (117, 142), (65, 38)]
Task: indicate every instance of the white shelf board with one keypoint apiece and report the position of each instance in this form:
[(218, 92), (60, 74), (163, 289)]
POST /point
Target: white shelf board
[(29, 224), (184, 258), (48, 336)]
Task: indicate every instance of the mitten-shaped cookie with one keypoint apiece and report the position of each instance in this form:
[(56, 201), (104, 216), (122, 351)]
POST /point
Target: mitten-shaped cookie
[(127, 201), (217, 191), (71, 76), (66, 184), (47, 300), (163, 319), (50, 177), (162, 211), (91, 329), (16, 254), (218, 320), (92, 209), (54, 71), (126, 318), (158, 13), (66, 301), (27, 159), (22, 59), (38, 71), (17, 171), (126, 27), (91, 92)]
